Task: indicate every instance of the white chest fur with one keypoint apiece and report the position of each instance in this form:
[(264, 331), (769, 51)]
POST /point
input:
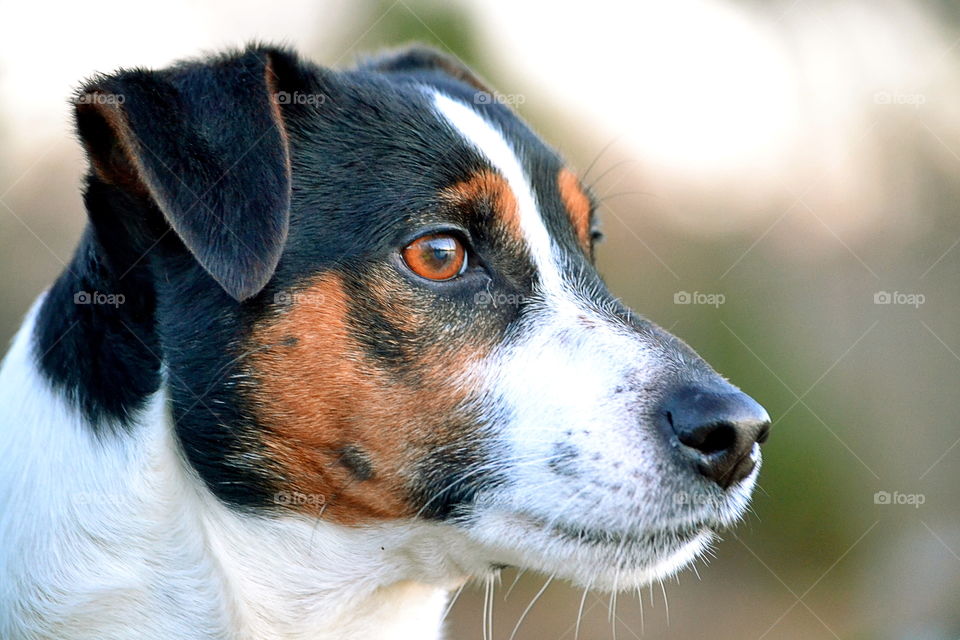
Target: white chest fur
[(115, 537)]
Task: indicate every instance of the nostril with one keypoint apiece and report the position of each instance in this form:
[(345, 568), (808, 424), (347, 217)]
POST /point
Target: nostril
[(710, 438), (764, 433), (717, 429)]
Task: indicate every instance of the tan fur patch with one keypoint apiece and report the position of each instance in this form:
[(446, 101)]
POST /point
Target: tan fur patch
[(577, 204), (318, 396), (493, 188)]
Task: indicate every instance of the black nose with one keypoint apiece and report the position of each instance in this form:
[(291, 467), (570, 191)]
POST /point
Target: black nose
[(716, 430)]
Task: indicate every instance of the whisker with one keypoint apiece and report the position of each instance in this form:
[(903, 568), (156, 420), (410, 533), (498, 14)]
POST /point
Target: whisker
[(530, 606), (605, 198), (487, 632), (490, 611), (583, 599), (666, 605), (590, 167), (640, 600), (515, 580), (609, 170), (453, 600)]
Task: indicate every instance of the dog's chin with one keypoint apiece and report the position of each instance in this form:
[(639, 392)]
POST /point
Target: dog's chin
[(600, 559), (608, 558)]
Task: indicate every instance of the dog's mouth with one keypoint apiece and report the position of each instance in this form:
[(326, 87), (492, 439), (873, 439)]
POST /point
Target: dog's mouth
[(612, 550), (650, 543), (652, 553), (663, 538), (697, 515), (603, 558)]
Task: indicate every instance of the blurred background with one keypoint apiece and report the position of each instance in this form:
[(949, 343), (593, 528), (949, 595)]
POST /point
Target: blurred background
[(780, 188)]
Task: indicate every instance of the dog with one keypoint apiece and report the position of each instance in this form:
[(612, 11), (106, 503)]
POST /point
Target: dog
[(333, 343)]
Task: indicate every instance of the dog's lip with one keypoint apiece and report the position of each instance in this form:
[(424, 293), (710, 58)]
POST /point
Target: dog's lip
[(665, 536)]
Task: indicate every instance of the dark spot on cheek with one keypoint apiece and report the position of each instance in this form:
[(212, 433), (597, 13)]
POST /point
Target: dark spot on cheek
[(563, 460), (290, 341), (357, 462)]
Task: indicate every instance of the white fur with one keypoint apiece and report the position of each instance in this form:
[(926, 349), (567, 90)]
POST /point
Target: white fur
[(553, 389), (115, 537), (486, 139)]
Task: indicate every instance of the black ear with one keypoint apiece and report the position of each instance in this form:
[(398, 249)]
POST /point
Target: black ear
[(205, 141), (418, 57)]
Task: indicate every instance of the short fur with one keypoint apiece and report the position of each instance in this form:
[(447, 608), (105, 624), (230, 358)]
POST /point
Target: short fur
[(237, 413)]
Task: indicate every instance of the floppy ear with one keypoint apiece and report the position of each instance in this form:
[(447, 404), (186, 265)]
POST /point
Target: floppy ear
[(205, 142), (418, 57)]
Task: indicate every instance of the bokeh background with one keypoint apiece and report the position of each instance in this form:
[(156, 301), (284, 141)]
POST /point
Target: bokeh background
[(780, 188)]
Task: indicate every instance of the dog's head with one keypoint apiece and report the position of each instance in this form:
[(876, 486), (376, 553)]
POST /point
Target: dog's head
[(375, 297)]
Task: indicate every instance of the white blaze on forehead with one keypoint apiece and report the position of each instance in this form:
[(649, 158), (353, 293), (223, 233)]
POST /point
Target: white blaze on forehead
[(490, 142), (572, 434)]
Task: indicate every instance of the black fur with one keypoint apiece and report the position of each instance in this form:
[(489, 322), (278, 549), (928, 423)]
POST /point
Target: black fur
[(204, 139), (350, 170), (103, 356), (358, 462)]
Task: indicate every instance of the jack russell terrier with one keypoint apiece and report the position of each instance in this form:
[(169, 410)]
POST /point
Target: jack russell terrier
[(332, 343)]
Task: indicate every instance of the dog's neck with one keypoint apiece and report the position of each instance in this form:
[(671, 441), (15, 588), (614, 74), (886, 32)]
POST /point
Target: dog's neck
[(107, 531)]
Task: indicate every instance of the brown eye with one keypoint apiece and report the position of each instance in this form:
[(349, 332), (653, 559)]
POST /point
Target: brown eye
[(436, 257)]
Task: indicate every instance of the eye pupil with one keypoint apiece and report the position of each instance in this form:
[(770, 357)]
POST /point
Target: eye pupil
[(435, 257), (443, 249)]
